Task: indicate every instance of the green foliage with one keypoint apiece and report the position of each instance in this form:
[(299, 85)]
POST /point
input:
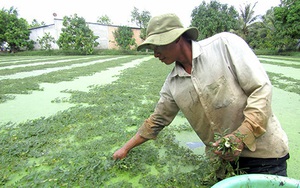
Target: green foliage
[(14, 30), (262, 33), (287, 23), (76, 35), (104, 20), (226, 143), (221, 168), (141, 20), (284, 82), (247, 20), (124, 37), (278, 29), (45, 41), (35, 23), (214, 18)]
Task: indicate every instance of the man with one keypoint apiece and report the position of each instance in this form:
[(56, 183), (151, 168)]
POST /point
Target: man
[(219, 84)]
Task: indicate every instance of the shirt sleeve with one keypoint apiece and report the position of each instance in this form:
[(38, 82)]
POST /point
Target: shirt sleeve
[(165, 111), (255, 83)]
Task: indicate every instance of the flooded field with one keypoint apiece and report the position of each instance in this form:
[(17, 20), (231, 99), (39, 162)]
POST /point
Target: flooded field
[(61, 118), (40, 103)]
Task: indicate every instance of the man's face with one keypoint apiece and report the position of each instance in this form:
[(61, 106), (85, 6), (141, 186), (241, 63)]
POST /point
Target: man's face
[(166, 53)]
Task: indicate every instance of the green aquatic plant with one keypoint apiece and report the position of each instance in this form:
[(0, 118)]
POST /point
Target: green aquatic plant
[(73, 148), (285, 83), (222, 168)]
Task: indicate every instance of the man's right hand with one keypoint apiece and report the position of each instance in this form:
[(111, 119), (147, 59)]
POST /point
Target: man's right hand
[(120, 154), (133, 142)]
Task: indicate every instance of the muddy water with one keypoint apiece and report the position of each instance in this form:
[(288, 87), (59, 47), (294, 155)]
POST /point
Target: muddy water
[(38, 104)]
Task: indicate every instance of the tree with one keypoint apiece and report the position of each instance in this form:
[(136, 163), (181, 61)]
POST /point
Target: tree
[(247, 19), (214, 18), (123, 36), (46, 41), (76, 35), (35, 23), (14, 31), (104, 20), (287, 19), (141, 20), (262, 35)]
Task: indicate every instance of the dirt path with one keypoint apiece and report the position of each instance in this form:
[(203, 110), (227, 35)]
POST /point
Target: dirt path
[(38, 104)]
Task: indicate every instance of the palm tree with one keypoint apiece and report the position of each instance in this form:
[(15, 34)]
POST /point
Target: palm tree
[(268, 23), (261, 33), (247, 18)]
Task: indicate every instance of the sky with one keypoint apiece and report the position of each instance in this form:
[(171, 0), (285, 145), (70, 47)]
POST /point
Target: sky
[(119, 11)]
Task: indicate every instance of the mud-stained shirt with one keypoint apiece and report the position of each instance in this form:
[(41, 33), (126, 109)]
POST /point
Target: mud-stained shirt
[(228, 89)]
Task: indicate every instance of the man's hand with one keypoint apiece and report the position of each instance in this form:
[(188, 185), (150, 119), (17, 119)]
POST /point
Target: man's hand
[(133, 142), (120, 154), (229, 147)]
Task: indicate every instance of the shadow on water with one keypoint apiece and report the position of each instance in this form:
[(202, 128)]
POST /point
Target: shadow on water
[(188, 138)]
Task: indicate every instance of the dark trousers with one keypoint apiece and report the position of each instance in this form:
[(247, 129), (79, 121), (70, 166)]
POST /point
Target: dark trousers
[(275, 166)]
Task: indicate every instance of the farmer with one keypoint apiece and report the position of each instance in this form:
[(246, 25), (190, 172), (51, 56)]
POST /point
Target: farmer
[(219, 84)]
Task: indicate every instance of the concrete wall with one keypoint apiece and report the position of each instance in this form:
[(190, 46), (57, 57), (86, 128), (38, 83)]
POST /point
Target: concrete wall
[(104, 32)]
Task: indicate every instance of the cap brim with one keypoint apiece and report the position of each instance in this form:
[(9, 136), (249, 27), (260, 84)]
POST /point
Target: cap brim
[(168, 37)]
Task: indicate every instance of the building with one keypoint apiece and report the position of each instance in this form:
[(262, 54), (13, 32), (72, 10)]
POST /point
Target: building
[(104, 32)]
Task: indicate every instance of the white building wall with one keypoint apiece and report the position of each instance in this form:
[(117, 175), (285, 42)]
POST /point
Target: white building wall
[(38, 33), (102, 31)]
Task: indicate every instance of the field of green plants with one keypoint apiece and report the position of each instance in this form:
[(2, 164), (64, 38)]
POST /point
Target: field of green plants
[(62, 118)]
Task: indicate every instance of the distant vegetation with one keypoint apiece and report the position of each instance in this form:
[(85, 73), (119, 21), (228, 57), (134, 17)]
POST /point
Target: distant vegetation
[(277, 30)]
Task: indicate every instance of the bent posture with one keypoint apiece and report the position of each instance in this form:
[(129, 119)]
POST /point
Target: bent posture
[(219, 84)]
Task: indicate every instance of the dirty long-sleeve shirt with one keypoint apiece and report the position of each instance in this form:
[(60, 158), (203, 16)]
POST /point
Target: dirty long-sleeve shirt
[(228, 89)]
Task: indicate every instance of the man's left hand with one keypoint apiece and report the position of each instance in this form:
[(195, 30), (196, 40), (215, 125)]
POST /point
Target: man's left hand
[(231, 149)]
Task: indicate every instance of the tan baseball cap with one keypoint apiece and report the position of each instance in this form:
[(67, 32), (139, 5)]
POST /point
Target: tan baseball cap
[(164, 29)]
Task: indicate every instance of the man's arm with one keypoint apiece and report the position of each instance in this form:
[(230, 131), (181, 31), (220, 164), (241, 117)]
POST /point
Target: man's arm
[(254, 81), (133, 142), (164, 113)]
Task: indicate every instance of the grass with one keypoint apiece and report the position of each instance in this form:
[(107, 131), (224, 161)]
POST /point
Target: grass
[(74, 148)]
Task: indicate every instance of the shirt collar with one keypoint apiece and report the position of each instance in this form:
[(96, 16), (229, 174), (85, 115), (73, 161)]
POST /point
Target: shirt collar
[(178, 69), (196, 49)]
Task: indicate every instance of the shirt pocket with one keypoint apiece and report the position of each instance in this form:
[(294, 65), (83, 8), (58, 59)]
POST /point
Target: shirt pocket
[(219, 93)]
